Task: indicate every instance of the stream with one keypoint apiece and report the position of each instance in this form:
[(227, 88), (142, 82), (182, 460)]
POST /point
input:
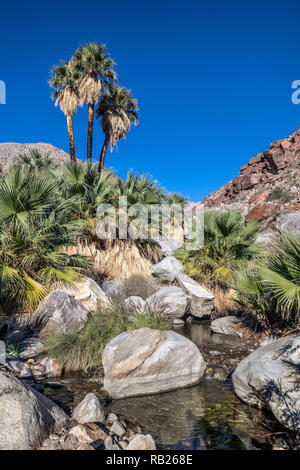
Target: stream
[(205, 416)]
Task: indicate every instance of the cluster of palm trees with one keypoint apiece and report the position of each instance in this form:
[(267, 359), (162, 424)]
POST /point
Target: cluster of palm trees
[(89, 78), (266, 284)]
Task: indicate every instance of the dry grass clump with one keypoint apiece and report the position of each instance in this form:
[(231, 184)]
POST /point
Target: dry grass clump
[(83, 350), (120, 258), (141, 286)]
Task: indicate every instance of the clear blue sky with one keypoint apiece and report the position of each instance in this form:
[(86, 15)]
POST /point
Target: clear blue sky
[(213, 81)]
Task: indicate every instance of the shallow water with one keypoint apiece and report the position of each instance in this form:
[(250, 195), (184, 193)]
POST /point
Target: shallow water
[(206, 416)]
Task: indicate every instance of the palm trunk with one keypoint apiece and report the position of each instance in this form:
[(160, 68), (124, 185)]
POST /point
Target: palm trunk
[(103, 153), (71, 138), (90, 133)]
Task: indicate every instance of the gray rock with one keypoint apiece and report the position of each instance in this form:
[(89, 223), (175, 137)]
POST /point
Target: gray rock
[(172, 300), (88, 293), (168, 245), (202, 301), (27, 417), (135, 303), (118, 429), (30, 348), (146, 361), (268, 340), (270, 377), (89, 410), (112, 288), (266, 239), (52, 367), (167, 269), (142, 442), (61, 313), (230, 325), (289, 223)]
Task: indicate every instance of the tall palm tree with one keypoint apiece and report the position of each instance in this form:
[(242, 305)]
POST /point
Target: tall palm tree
[(94, 65), (65, 81), (117, 109)]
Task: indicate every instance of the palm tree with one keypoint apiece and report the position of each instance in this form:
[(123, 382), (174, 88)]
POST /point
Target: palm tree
[(35, 225), (228, 245), (65, 81), (94, 65), (117, 109)]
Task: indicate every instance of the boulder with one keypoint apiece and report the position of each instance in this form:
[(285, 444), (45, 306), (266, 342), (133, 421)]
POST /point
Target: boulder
[(167, 269), (89, 410), (168, 245), (112, 288), (88, 293), (52, 367), (172, 300), (289, 223), (269, 377), (146, 361), (60, 312), (27, 417), (30, 348), (230, 325), (135, 303), (141, 442), (202, 301)]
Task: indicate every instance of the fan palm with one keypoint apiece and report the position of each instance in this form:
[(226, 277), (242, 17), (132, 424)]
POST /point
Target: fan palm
[(228, 244), (92, 188), (36, 223), (64, 79), (117, 109), (35, 161), (94, 65)]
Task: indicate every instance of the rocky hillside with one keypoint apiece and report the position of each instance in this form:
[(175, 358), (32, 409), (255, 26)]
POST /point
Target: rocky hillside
[(267, 187), (10, 150)]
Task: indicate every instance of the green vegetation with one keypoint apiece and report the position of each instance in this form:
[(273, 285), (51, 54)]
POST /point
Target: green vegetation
[(89, 78), (228, 246), (36, 222), (270, 290), (84, 349), (280, 194)]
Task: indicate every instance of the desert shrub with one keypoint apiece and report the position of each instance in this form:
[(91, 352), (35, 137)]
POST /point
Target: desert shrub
[(140, 286), (279, 194), (82, 350)]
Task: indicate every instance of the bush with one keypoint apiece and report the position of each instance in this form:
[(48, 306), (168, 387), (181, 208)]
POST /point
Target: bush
[(79, 351), (140, 286), (279, 194)]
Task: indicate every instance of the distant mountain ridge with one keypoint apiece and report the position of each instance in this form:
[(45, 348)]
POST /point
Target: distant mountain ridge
[(267, 186), (10, 150)]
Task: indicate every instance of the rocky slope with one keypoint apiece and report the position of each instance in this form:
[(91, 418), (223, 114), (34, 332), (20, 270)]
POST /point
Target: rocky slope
[(267, 186), (10, 150)]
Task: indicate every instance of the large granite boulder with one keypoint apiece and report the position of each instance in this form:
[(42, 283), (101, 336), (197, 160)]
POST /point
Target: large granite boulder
[(172, 300), (60, 313), (202, 301), (289, 223), (27, 417), (168, 245), (167, 269), (141, 442), (88, 293), (89, 410), (230, 325), (270, 377), (146, 361)]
